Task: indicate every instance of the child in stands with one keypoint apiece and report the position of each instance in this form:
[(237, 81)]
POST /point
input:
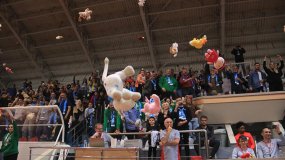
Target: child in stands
[(153, 138)]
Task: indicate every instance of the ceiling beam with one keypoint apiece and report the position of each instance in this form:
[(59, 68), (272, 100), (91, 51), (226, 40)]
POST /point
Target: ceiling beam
[(79, 36), (36, 59), (148, 37), (156, 18)]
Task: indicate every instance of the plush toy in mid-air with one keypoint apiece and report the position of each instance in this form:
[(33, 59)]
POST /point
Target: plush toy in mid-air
[(152, 106), (198, 43), (123, 99), (211, 56), (220, 63), (174, 49), (141, 3), (7, 69), (85, 15)]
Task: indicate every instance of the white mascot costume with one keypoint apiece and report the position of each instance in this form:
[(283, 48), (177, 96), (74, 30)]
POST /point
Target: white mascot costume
[(123, 99)]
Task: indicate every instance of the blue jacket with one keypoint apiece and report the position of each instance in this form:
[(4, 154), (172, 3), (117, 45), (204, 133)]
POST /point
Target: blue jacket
[(254, 79), (130, 117)]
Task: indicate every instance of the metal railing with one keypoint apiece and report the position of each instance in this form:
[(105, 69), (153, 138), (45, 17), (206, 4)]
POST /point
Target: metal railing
[(134, 133)]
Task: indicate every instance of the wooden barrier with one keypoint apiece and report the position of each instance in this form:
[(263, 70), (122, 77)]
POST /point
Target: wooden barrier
[(94, 153), (250, 108)]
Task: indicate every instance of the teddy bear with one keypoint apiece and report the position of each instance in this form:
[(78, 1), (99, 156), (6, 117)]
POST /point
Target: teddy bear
[(141, 3), (123, 99), (198, 43), (174, 49), (153, 106), (85, 15)]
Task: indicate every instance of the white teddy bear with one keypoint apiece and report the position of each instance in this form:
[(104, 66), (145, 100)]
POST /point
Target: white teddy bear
[(123, 99)]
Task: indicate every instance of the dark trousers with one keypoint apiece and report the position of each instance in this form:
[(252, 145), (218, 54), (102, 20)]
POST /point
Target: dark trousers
[(11, 157), (259, 89), (184, 139), (131, 136), (151, 152), (213, 143)]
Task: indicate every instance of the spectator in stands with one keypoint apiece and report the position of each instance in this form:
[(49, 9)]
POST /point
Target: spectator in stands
[(195, 110), (130, 118), (78, 118), (4, 99), (9, 147), (168, 85), (165, 113), (238, 52), (201, 82), (90, 118), (241, 132), (169, 140), (53, 100), (150, 86), (242, 151), (112, 120), (66, 110), (236, 79), (182, 118), (210, 134), (43, 118), (186, 84), (257, 79), (99, 133), (274, 74), (140, 81), (153, 138), (215, 83), (268, 147)]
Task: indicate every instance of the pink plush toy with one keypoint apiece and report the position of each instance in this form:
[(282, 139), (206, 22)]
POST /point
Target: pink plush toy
[(220, 63), (152, 107)]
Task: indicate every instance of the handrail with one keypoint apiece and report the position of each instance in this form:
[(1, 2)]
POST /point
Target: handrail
[(40, 107), (182, 131), (134, 133)]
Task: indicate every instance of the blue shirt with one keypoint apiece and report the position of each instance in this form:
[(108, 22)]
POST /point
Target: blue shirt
[(131, 117)]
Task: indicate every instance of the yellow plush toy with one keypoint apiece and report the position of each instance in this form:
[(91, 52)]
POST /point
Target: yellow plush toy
[(198, 43)]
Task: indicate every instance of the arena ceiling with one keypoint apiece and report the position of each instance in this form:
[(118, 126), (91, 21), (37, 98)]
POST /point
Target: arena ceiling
[(29, 27)]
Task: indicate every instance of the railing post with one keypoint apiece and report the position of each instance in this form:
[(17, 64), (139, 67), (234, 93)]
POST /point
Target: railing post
[(206, 144)]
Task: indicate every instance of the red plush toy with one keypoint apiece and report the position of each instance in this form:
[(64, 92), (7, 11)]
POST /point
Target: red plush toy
[(211, 56), (245, 155)]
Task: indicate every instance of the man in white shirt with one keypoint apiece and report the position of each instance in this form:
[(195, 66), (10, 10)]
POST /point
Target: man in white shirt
[(268, 147), (100, 134)]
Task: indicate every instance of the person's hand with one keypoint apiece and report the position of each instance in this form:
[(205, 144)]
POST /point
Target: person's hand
[(279, 57), (117, 131), (198, 112), (180, 123), (168, 129), (277, 129), (163, 89), (250, 88), (210, 84), (264, 58)]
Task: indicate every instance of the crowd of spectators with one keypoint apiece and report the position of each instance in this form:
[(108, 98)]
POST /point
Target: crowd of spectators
[(87, 100)]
